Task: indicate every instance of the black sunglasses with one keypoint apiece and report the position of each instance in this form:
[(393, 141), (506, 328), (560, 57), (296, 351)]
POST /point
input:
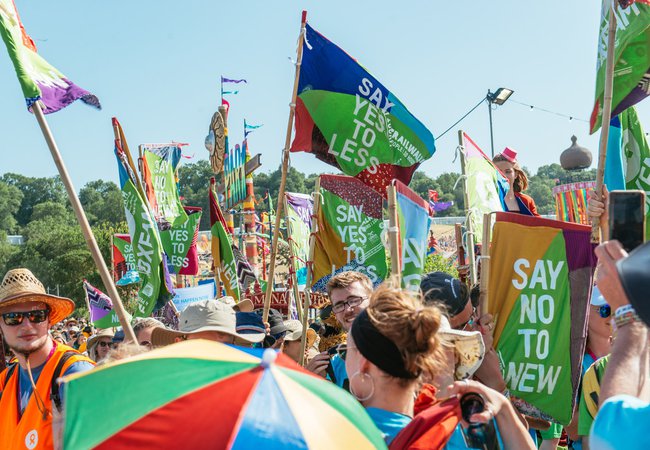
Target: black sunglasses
[(106, 344), (16, 318)]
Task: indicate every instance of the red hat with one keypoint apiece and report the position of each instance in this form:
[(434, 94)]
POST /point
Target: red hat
[(509, 154)]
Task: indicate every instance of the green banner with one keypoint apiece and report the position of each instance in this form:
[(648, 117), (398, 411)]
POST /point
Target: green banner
[(161, 190), (177, 241), (637, 156)]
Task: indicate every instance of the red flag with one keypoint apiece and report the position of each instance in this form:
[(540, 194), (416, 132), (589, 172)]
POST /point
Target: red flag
[(626, 3), (433, 195)]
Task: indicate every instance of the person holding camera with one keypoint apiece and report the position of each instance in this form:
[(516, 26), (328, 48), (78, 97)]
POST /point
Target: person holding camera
[(392, 345)]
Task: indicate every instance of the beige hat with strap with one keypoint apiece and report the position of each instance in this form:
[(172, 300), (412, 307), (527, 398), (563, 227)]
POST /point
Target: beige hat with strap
[(21, 286)]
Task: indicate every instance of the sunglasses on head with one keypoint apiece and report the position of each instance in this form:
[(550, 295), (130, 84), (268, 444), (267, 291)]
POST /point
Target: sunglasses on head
[(16, 318), (604, 311)]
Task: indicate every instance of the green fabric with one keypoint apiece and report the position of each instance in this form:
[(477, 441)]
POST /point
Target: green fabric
[(299, 238), (148, 252), (636, 153), (341, 401), (482, 195), (107, 400), (536, 339), (163, 183), (366, 147), (224, 260), (585, 419), (177, 241), (631, 56), (554, 432)]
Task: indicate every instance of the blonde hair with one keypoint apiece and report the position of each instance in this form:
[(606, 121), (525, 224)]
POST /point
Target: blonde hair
[(401, 317), (345, 279), (521, 180)]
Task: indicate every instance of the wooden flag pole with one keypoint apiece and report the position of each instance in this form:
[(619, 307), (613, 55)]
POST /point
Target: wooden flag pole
[(458, 231), (468, 221), (393, 236), (285, 168), (607, 115), (292, 259), (485, 264), (310, 270), (85, 226)]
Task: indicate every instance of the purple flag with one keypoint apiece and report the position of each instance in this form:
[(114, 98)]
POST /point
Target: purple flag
[(230, 80)]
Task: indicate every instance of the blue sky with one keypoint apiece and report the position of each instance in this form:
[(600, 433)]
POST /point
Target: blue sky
[(156, 66)]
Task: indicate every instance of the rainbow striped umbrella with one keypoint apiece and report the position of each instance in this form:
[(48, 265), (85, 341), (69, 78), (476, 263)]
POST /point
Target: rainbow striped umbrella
[(203, 394)]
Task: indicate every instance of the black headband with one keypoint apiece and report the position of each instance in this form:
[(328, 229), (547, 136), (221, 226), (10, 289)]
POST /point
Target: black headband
[(377, 348)]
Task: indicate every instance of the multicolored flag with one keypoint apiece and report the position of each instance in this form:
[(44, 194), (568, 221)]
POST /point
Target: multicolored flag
[(245, 273), (123, 257), (300, 208), (222, 255), (348, 119), (159, 179), (38, 80), (156, 289), (614, 176), (414, 222), (631, 59), (350, 227), (234, 173), (179, 243), (636, 154), (102, 314), (539, 288), (486, 186), (571, 201)]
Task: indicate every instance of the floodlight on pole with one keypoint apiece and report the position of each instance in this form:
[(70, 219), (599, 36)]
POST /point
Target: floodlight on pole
[(497, 98)]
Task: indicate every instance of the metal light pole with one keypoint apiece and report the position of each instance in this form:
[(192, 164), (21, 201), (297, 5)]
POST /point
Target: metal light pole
[(489, 104), (497, 98)]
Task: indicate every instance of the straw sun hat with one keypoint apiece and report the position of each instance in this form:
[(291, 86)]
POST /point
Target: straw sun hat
[(21, 286)]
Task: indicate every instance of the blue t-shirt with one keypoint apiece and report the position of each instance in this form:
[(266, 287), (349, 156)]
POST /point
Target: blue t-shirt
[(25, 388), (389, 423), (338, 367), (621, 423)]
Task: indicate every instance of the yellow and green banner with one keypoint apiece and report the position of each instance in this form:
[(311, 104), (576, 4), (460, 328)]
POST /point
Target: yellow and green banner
[(540, 281)]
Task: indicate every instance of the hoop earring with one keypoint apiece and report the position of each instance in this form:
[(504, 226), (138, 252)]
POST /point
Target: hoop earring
[(372, 386)]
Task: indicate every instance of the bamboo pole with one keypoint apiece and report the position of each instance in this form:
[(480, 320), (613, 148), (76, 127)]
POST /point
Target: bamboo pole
[(607, 115), (285, 168), (393, 237), (458, 230), (468, 222), (485, 264), (83, 223), (310, 271), (292, 261)]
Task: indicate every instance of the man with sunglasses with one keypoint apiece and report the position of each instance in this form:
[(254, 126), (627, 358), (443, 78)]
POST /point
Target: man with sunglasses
[(349, 293), (28, 391)]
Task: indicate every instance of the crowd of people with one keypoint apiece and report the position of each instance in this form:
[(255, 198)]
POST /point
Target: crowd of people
[(422, 364)]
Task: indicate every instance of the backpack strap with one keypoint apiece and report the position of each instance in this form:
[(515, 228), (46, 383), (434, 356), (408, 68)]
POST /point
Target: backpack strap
[(11, 368), (55, 395)]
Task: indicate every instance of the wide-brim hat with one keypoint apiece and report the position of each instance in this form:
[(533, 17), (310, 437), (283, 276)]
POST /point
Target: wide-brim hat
[(245, 305), (92, 340), (633, 272), (468, 347), (21, 286), (294, 330), (206, 315)]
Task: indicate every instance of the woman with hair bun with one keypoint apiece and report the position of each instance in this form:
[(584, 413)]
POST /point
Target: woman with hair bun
[(391, 347), (516, 200)]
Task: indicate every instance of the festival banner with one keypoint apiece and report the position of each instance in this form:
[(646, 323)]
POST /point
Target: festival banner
[(631, 59), (350, 227), (38, 80), (170, 152), (300, 208), (156, 289), (348, 119), (102, 314), (539, 288), (571, 201), (245, 273), (123, 257), (186, 296), (486, 186), (179, 243), (234, 173), (222, 255), (162, 192), (414, 222), (636, 153)]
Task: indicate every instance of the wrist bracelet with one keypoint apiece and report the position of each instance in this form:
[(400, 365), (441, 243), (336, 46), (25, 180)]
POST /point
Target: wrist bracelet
[(622, 310), (620, 320)]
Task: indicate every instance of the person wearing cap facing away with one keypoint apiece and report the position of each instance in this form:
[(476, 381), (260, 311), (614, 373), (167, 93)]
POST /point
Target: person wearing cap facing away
[(143, 327), (100, 344), (29, 393), (251, 325), (349, 294), (206, 319), (624, 282), (516, 200), (277, 330), (392, 346), (292, 345)]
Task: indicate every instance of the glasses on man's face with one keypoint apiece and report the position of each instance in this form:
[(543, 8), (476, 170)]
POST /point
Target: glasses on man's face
[(470, 322), (604, 311), (350, 302), (16, 318), (105, 344)]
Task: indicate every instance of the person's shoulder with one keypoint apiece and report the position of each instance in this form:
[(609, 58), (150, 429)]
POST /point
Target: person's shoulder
[(79, 366), (619, 416)]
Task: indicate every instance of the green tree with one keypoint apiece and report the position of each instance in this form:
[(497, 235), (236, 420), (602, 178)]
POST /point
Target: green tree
[(35, 191), (102, 201), (10, 200), (194, 181)]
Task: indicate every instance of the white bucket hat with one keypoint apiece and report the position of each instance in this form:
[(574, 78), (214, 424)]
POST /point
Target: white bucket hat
[(468, 347)]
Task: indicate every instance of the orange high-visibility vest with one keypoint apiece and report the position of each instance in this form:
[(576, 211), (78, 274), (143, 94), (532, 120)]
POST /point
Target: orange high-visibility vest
[(31, 431)]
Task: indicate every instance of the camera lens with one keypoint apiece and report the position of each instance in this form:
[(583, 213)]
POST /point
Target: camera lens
[(470, 404)]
